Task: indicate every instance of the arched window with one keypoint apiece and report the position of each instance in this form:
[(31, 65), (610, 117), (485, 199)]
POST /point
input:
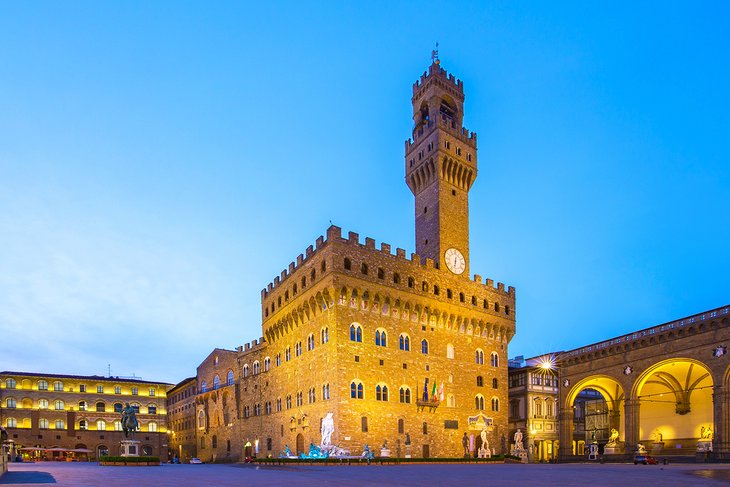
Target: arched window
[(348, 264), (356, 390), (10, 383), (381, 392), (364, 269), (450, 401), (355, 332), (229, 378), (287, 354), (214, 441), (216, 382), (479, 354), (288, 401), (536, 407), (245, 370), (267, 364), (550, 408), (58, 386), (42, 403), (495, 404), (100, 407), (201, 420), (424, 346), (278, 359), (118, 407), (42, 385), (43, 423), (152, 409), (479, 402), (256, 367), (405, 395), (82, 405), (10, 402), (310, 341), (100, 425), (298, 349), (135, 406), (83, 425), (396, 278), (480, 381), (326, 391), (203, 386), (60, 424), (495, 383), (494, 360), (381, 338), (449, 351), (325, 335), (118, 426), (11, 423), (404, 342), (152, 426)]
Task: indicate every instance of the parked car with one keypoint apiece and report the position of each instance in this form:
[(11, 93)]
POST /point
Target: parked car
[(196, 460), (644, 459)]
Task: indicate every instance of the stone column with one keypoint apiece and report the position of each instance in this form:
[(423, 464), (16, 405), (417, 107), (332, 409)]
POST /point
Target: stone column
[(631, 435), (565, 433), (721, 420)]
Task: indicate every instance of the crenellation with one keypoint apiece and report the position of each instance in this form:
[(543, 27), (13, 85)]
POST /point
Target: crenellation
[(308, 253), (500, 286), (277, 280), (429, 263), (319, 242), (400, 253), (369, 243), (291, 268), (353, 237), (334, 233), (477, 278), (300, 259), (385, 248)]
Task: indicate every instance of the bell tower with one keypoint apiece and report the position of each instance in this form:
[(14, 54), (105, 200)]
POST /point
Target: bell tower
[(441, 166)]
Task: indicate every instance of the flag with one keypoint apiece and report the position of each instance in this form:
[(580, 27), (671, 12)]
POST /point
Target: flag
[(425, 390), (434, 396), (441, 392)]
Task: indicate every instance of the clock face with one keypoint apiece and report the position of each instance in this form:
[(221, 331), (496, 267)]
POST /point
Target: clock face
[(455, 261)]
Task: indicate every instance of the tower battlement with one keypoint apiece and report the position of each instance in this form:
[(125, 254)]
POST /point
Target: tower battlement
[(462, 134), (435, 71)]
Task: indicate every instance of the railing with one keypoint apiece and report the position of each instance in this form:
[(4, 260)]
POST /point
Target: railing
[(681, 323)]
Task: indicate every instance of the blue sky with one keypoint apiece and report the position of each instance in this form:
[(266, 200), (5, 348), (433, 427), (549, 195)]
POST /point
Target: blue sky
[(161, 162)]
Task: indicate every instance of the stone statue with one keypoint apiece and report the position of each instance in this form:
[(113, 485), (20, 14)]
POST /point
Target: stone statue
[(657, 436), (465, 444), (129, 420), (408, 438), (706, 433), (385, 445), (328, 427), (366, 453), (518, 440), (613, 439), (485, 441), (287, 452)]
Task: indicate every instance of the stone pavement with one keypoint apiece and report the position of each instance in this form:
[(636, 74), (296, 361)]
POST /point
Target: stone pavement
[(564, 475)]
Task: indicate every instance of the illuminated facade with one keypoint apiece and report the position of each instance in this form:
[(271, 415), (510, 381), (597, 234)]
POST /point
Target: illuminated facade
[(666, 388), (356, 330), (533, 396), (75, 412), (180, 421)]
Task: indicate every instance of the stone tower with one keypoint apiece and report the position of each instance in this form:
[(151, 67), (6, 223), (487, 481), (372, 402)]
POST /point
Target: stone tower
[(441, 166)]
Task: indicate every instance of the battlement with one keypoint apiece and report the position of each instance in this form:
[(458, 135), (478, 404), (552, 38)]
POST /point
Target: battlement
[(460, 133), (334, 235), (252, 346), (436, 71)]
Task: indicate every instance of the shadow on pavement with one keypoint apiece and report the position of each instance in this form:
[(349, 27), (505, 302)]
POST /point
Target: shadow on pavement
[(11, 478)]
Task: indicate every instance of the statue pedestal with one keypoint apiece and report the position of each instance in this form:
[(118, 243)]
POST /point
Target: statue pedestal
[(612, 450), (521, 454), (129, 448), (657, 447), (484, 453), (408, 451), (385, 452)]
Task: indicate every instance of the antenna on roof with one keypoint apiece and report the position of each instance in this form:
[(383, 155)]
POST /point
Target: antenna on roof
[(109, 370)]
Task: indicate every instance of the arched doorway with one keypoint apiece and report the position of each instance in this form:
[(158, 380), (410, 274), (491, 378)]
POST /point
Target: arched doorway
[(596, 405), (300, 444), (248, 450), (675, 406), (102, 451)]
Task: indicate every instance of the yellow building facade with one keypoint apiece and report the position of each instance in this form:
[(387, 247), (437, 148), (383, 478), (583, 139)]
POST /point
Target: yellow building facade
[(371, 334), (72, 413)]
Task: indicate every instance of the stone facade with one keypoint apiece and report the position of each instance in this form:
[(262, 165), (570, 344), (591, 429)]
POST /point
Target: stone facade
[(355, 330), (533, 395), (80, 412), (666, 387), (181, 419)]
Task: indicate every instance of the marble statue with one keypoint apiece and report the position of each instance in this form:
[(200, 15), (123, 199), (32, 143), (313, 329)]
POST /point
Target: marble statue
[(613, 439), (328, 427), (706, 433), (518, 440), (367, 453)]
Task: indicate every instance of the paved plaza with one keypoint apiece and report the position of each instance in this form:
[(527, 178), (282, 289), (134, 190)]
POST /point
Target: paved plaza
[(579, 475)]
